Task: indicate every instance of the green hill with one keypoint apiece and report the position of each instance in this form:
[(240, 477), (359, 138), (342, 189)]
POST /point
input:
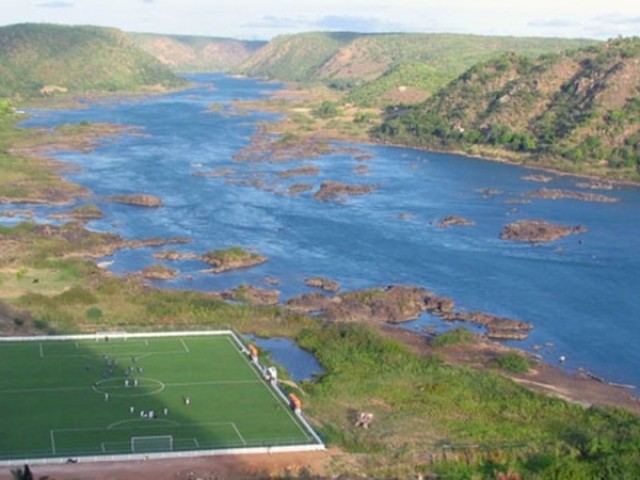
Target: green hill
[(42, 59), (578, 111), (375, 67), (297, 57), (193, 54)]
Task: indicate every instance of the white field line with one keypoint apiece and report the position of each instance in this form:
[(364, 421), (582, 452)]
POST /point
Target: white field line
[(212, 382), (53, 441), (41, 351), (279, 400), (120, 387), (115, 425), (167, 455), (46, 390), (142, 428), (56, 338), (118, 354), (185, 346), (244, 442)]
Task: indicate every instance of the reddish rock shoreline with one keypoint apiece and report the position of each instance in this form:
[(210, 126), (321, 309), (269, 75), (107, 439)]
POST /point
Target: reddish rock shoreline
[(398, 304)]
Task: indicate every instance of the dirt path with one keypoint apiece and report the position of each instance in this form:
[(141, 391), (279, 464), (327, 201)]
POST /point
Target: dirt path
[(236, 467)]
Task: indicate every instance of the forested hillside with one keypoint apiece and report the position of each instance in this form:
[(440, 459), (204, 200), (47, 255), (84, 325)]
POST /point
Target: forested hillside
[(382, 67), (578, 111), (42, 59), (183, 53)]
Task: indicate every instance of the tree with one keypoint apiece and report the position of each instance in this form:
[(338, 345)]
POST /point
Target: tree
[(5, 107), (327, 109)]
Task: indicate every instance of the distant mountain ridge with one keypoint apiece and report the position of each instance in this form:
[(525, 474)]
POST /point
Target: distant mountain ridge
[(191, 54), (44, 59), (578, 111), (377, 65)]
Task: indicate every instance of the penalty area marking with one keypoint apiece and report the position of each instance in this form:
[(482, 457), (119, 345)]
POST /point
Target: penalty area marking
[(114, 425), (186, 349), (273, 394), (244, 442)]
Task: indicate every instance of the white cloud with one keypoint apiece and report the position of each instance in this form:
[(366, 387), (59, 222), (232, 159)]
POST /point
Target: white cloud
[(55, 5), (264, 19)]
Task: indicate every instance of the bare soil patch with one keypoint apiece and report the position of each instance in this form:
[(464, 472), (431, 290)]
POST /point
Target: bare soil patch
[(236, 467)]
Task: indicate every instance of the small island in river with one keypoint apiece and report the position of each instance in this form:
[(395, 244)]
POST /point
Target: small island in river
[(337, 191), (232, 258), (455, 220), (138, 200), (551, 194), (538, 231)]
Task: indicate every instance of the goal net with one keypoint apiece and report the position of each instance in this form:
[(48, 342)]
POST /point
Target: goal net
[(154, 443)]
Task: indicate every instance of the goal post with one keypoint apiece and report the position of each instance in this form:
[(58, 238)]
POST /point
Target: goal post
[(152, 443)]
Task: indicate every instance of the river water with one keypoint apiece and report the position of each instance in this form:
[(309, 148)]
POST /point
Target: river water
[(581, 292)]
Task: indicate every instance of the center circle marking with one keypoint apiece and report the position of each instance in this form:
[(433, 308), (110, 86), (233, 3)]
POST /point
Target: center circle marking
[(115, 387)]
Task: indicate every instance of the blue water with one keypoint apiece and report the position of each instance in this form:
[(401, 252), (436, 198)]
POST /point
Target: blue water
[(300, 364), (582, 296)]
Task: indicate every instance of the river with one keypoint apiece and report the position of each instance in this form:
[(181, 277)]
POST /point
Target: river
[(580, 293)]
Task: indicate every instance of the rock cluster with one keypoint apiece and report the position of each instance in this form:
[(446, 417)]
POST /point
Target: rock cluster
[(537, 231), (138, 200), (452, 220), (397, 304), (323, 284), (550, 194), (336, 191)]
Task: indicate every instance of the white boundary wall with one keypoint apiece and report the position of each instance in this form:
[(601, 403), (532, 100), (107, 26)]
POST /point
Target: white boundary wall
[(318, 446)]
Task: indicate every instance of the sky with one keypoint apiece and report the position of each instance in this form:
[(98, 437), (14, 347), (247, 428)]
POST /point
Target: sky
[(265, 19)]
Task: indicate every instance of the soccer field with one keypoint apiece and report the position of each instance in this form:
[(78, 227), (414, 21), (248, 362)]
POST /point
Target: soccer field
[(93, 397)]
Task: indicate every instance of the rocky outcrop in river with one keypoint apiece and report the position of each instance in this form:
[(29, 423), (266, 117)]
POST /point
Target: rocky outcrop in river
[(252, 295), (300, 171), (158, 272), (549, 194), (337, 191), (398, 304), (452, 220), (138, 200), (537, 231), (233, 258), (323, 284)]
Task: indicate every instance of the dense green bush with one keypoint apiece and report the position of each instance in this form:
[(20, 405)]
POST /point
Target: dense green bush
[(514, 362)]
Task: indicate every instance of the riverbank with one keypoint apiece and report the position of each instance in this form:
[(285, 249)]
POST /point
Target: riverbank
[(84, 137), (422, 401), (299, 105)]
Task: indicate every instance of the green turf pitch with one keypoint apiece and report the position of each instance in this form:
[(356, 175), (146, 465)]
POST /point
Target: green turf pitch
[(70, 398)]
